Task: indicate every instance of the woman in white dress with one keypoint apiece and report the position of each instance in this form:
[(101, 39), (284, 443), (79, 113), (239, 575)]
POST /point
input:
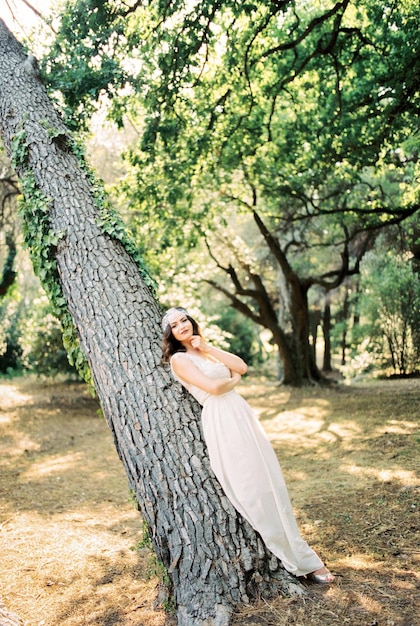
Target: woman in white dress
[(241, 455)]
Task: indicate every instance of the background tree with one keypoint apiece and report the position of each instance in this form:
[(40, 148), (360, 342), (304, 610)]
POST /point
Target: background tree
[(389, 303), (9, 191), (9, 344), (292, 116), (103, 296)]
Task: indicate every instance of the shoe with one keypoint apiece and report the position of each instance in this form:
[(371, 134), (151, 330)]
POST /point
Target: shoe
[(326, 578)]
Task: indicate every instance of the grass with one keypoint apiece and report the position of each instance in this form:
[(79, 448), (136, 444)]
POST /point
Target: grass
[(69, 532)]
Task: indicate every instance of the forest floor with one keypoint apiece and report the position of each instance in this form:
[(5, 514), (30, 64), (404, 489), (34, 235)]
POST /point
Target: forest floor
[(69, 535)]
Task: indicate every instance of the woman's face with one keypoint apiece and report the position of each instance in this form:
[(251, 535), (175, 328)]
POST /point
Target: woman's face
[(181, 328)]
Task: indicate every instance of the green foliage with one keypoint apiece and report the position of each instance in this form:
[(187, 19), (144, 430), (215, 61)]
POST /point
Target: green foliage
[(390, 306), (92, 33), (8, 273), (285, 102), (19, 149), (10, 342), (42, 243), (291, 101), (42, 341), (241, 335), (157, 568), (292, 113), (30, 336)]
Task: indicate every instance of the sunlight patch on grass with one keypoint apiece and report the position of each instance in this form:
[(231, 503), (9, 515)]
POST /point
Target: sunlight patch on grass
[(318, 409), (52, 465), (407, 585), (22, 444), (297, 475), (70, 552), (86, 535), (397, 427), (80, 556), (369, 604), (310, 432), (358, 562), (345, 430), (291, 421), (405, 477), (11, 396)]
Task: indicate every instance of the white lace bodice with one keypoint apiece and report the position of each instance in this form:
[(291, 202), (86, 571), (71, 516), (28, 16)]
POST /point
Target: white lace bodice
[(212, 369)]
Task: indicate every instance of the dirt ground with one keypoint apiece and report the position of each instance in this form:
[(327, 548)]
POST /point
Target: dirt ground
[(69, 534)]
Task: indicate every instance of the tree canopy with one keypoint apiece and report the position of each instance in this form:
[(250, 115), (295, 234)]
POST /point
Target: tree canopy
[(284, 135)]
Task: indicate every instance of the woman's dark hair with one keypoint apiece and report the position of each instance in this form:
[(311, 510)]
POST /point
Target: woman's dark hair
[(170, 345)]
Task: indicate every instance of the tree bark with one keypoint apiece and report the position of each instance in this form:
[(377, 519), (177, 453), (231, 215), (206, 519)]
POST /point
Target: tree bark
[(326, 330), (304, 362), (345, 324), (214, 559), (7, 618), (8, 275)]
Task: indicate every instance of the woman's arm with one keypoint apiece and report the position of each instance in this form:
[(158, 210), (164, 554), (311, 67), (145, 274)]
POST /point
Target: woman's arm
[(232, 362), (185, 369)]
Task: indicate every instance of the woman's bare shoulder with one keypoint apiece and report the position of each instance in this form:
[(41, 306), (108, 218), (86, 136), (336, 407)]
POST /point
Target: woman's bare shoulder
[(178, 357)]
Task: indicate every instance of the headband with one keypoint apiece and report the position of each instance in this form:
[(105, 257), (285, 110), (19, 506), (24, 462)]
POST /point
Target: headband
[(172, 314)]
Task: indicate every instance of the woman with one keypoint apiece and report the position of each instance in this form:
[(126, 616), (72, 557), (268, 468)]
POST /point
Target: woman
[(241, 455)]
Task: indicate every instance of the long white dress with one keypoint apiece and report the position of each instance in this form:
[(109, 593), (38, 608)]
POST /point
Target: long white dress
[(247, 468)]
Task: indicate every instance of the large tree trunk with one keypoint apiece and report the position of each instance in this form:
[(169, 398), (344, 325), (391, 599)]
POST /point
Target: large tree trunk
[(300, 358), (214, 558), (298, 361)]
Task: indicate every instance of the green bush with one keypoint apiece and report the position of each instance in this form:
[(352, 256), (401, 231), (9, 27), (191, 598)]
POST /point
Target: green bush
[(390, 312), (41, 339), (10, 347)]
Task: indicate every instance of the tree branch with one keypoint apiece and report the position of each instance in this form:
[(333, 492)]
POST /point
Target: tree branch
[(35, 11), (273, 245), (231, 272), (236, 302), (340, 7)]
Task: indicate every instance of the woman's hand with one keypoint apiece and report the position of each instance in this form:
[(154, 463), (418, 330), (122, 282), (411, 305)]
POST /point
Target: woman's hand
[(198, 343), (233, 363), (235, 377)]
